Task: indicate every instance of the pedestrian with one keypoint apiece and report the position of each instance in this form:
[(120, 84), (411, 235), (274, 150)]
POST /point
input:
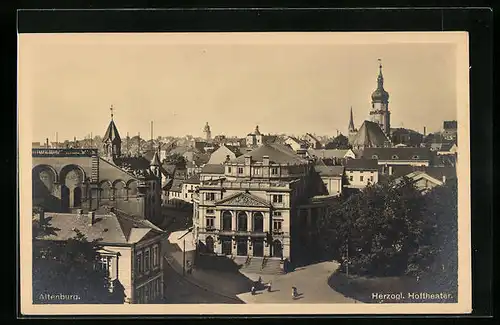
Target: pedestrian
[(269, 286), (253, 290), (294, 292)]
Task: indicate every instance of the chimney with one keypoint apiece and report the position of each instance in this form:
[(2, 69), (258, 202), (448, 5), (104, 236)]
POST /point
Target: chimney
[(248, 160), (424, 131), (91, 217), (265, 160), (47, 142)]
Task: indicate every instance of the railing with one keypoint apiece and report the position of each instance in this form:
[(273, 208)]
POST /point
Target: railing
[(222, 232), (63, 152), (244, 185)]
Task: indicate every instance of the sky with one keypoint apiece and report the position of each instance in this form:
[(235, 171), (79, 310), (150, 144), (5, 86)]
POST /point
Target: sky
[(292, 84)]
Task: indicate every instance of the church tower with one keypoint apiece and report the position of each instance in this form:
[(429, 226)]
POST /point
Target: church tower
[(379, 112), (112, 142), (351, 129), (207, 132)]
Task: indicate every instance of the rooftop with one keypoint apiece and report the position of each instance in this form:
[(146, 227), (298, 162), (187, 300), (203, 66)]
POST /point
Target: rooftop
[(277, 153), (361, 164), (323, 170), (369, 135), (213, 169), (110, 228), (403, 153)]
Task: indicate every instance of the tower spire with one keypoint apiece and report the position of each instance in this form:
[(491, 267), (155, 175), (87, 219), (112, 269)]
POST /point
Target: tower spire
[(351, 122), (380, 78)]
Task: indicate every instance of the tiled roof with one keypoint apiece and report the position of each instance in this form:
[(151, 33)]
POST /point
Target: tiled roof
[(361, 164), (277, 153), (176, 185), (111, 134), (169, 169), (312, 137), (327, 153), (108, 228), (329, 170), (369, 135), (195, 179), (439, 172), (404, 153), (213, 169)]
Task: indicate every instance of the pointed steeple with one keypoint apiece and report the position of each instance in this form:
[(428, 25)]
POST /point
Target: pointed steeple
[(351, 123), (111, 140)]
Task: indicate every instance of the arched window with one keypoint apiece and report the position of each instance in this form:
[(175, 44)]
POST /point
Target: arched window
[(374, 157), (119, 190), (242, 221), (258, 222), (227, 220), (395, 157)]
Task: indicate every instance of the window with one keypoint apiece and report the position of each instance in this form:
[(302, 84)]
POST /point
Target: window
[(274, 171), (351, 178), (361, 178), (240, 170), (147, 288), (210, 223), (374, 157), (277, 198), (256, 171), (210, 211), (138, 263), (156, 260), (277, 225), (210, 196), (185, 195), (104, 264), (229, 170), (277, 214), (371, 178), (147, 260), (395, 157)]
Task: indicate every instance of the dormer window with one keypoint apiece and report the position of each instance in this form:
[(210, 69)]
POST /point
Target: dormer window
[(415, 157), (374, 157), (395, 157)]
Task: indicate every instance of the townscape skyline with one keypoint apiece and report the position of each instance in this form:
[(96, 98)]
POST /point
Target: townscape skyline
[(180, 87)]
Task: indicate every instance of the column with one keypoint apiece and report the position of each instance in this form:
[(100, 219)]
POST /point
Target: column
[(250, 221), (233, 221)]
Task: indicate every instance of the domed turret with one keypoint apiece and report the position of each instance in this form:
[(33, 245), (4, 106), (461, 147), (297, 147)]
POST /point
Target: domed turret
[(380, 95)]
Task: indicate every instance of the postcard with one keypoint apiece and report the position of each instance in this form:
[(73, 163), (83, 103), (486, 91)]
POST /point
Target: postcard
[(244, 173)]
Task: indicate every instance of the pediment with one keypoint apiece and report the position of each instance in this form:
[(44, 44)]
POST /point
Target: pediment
[(245, 200)]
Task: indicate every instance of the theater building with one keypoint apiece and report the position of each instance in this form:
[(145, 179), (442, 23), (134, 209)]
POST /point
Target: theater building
[(249, 207)]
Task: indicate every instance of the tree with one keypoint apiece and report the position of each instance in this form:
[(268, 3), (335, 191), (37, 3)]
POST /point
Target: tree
[(68, 267), (176, 159), (380, 229), (339, 142)]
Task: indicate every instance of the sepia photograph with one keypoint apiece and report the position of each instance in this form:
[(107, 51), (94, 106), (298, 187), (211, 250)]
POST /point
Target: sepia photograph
[(195, 173)]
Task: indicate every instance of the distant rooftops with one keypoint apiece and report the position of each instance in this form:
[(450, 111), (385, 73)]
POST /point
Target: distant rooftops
[(277, 153)]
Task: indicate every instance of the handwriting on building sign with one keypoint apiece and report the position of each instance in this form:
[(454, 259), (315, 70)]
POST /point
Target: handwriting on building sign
[(64, 152)]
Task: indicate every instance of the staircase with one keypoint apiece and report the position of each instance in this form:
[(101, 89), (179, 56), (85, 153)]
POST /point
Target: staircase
[(262, 265)]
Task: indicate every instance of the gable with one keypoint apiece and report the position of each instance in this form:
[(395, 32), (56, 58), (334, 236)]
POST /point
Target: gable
[(243, 199)]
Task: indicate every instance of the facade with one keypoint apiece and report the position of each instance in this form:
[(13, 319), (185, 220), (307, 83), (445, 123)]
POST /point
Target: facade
[(254, 139), (361, 173), (312, 141), (332, 179), (131, 249), (295, 143), (65, 180), (247, 206)]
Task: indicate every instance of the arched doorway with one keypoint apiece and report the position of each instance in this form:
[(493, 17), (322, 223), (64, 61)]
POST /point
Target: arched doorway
[(226, 246), (64, 198), (242, 221), (77, 197), (209, 242), (258, 222), (277, 249), (227, 222)]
